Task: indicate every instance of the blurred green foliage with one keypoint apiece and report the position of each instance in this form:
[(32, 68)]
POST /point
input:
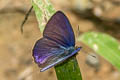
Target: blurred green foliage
[(103, 44)]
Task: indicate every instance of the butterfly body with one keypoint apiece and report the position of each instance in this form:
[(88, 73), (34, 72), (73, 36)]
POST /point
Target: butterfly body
[(57, 44)]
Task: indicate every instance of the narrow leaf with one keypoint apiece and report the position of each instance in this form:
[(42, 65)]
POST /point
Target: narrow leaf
[(43, 10), (104, 45), (68, 70)]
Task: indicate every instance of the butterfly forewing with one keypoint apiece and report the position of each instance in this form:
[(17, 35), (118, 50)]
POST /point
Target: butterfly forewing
[(59, 30)]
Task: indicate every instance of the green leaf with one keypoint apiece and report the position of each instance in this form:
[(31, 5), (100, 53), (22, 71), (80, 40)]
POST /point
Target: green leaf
[(104, 45), (43, 10), (69, 70)]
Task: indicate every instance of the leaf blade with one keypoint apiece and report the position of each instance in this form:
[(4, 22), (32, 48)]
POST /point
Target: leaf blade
[(104, 45)]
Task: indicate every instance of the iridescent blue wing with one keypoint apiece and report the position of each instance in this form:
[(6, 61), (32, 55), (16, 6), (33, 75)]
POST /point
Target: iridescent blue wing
[(59, 30), (46, 50), (48, 53), (57, 43)]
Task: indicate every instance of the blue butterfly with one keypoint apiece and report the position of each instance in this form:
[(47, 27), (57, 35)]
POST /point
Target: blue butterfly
[(57, 44)]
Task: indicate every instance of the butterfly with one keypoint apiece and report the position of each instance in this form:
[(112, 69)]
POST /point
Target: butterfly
[(57, 43)]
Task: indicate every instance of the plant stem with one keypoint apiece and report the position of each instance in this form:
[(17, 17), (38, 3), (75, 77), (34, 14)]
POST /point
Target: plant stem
[(68, 70)]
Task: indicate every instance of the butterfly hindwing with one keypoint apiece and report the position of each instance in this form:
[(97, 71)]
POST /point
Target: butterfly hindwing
[(44, 50)]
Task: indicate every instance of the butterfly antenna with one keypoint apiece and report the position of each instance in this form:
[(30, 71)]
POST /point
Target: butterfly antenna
[(25, 19), (88, 53), (92, 55), (78, 31)]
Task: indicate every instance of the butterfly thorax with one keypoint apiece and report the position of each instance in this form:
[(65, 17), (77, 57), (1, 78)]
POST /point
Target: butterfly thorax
[(69, 50)]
